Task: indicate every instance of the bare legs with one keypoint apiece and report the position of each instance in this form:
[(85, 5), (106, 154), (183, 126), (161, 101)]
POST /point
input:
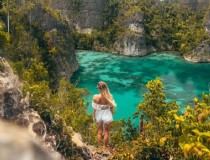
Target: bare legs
[(100, 131), (107, 127), (106, 133)]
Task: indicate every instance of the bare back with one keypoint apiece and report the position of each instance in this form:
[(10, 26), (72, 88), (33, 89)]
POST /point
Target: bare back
[(99, 99)]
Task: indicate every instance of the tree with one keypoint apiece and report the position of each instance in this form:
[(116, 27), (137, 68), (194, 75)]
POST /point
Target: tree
[(4, 37), (158, 138), (194, 128)]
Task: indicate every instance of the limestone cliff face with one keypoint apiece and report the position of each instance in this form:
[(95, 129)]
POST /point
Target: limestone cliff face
[(200, 54), (64, 61), (85, 15), (133, 42), (90, 15), (64, 8), (45, 19)]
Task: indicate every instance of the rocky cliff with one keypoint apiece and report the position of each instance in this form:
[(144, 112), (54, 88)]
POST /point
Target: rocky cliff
[(132, 42), (15, 141), (85, 15), (26, 136), (90, 15), (59, 37), (49, 23), (200, 54)]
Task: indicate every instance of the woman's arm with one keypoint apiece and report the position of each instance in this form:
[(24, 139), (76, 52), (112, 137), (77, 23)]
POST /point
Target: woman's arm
[(112, 110), (94, 113), (94, 107)]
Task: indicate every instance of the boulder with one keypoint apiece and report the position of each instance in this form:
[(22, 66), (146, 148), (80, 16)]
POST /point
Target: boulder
[(200, 54), (17, 144), (16, 109)]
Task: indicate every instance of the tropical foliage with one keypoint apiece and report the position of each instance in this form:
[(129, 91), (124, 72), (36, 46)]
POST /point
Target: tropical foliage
[(167, 25), (4, 36), (170, 27), (165, 133), (31, 51), (194, 126)]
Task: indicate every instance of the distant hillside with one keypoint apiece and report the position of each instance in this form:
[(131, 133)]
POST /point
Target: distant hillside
[(137, 28)]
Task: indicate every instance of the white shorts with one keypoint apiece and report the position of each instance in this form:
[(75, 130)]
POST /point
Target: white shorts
[(104, 116)]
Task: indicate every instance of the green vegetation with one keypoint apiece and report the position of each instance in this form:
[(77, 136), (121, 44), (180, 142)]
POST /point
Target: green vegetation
[(4, 36), (32, 51), (166, 133), (102, 38), (168, 26), (75, 7), (194, 128), (64, 111)]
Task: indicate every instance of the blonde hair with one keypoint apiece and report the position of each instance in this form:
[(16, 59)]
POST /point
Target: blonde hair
[(104, 90)]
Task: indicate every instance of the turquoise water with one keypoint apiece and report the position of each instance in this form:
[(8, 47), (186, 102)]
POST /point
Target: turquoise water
[(127, 76)]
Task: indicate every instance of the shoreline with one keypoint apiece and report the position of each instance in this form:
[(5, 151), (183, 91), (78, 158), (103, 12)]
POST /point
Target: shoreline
[(190, 60), (169, 52)]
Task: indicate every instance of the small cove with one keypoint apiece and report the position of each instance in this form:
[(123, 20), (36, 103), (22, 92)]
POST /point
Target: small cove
[(127, 76)]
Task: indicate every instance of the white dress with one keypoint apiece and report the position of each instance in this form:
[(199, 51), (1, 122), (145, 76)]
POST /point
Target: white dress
[(102, 113)]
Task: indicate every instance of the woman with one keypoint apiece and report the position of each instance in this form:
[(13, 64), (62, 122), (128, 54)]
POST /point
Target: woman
[(103, 105)]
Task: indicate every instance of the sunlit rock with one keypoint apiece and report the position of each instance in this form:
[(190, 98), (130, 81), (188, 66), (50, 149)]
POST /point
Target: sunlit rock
[(200, 54), (17, 144), (16, 108)]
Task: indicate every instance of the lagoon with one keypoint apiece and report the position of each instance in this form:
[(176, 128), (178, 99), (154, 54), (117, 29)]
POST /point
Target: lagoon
[(127, 77)]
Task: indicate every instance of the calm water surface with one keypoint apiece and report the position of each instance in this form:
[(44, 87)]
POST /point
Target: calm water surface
[(127, 76)]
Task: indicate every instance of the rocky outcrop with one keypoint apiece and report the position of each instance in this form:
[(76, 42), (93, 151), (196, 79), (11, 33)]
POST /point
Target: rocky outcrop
[(90, 152), (38, 19), (131, 45), (27, 137), (49, 22), (90, 15), (200, 54), (43, 19), (16, 143), (64, 8), (85, 15), (133, 42), (15, 108)]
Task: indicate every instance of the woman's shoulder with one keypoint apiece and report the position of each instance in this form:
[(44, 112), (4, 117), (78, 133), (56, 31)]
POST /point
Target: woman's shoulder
[(96, 97)]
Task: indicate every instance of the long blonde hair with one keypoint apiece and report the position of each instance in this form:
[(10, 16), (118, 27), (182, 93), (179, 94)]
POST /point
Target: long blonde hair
[(104, 90)]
